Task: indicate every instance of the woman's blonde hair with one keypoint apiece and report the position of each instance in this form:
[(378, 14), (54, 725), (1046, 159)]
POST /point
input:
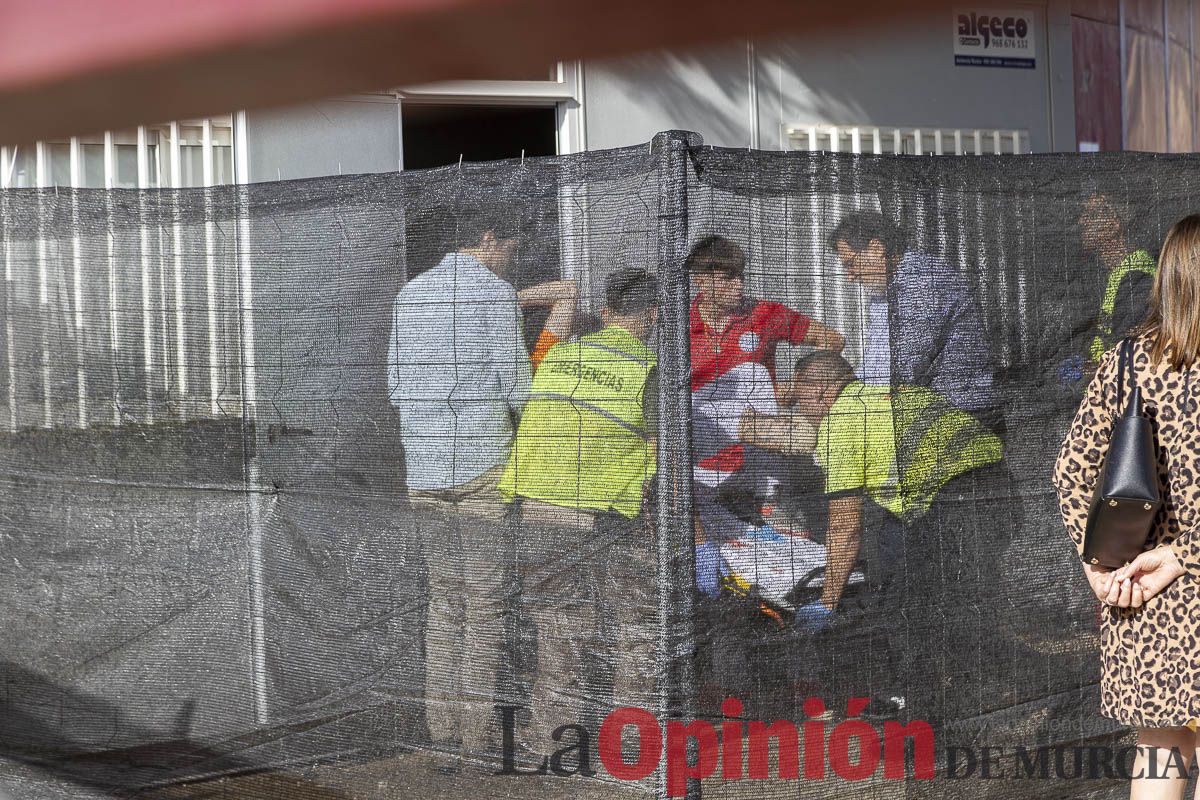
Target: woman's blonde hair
[(1173, 319)]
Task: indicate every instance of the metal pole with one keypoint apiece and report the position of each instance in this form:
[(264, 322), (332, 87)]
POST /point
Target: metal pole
[(7, 157), (752, 93), (1002, 301), (42, 173), (143, 181), (816, 248), (210, 263), (164, 325), (171, 398), (675, 540), (245, 284), (114, 330), (177, 244), (77, 265)]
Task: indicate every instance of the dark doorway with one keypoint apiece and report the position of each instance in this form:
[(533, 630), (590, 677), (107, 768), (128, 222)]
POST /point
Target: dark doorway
[(437, 135)]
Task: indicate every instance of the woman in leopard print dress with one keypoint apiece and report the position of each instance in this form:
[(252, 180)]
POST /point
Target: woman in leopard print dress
[(1150, 635)]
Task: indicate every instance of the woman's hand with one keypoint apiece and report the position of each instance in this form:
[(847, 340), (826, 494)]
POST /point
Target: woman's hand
[(1149, 573), (1124, 592), (1100, 579)]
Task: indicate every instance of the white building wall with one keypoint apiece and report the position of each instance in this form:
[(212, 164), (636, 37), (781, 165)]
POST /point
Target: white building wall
[(736, 95), (338, 136), (902, 75)]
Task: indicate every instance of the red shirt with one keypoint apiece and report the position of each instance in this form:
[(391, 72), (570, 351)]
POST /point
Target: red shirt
[(752, 333)]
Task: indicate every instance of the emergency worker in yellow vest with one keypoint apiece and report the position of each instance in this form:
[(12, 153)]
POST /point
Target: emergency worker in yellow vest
[(583, 455), (939, 475), (1129, 272)]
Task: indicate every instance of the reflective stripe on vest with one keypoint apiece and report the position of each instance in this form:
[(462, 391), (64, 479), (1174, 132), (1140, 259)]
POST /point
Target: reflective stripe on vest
[(1137, 261), (936, 443), (566, 398), (582, 441)]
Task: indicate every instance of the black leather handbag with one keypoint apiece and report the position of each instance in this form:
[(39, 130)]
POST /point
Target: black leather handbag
[(1127, 497)]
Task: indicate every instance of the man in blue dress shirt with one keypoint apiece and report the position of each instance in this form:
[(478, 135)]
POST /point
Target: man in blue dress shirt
[(925, 327)]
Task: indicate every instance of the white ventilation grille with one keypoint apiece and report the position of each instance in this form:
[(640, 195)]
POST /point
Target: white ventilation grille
[(907, 141)]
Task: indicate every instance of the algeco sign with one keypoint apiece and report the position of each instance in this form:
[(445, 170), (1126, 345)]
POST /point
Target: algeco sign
[(982, 27), (988, 38)]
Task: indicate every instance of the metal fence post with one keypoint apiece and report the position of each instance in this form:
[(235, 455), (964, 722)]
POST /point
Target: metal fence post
[(676, 542), (248, 374)]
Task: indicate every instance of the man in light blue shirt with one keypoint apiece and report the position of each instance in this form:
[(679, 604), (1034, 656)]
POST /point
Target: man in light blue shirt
[(458, 376), (458, 371)]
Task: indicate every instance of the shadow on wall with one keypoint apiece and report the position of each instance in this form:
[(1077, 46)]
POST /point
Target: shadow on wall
[(709, 92)]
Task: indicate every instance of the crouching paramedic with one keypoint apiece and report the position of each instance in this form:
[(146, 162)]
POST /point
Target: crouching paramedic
[(580, 464), (938, 473)]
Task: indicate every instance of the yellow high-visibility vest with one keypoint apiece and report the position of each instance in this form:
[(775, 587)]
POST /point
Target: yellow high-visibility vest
[(900, 445), (582, 441), (1137, 261)]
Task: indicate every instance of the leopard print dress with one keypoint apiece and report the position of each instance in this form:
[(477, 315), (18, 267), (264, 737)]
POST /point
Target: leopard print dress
[(1150, 656)]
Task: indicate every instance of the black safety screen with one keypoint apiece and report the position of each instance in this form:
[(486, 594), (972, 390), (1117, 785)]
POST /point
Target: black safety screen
[(529, 478)]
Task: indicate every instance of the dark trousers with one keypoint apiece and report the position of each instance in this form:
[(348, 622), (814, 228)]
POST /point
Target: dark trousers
[(923, 626), (952, 556)]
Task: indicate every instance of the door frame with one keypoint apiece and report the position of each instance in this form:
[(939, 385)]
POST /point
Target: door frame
[(565, 95)]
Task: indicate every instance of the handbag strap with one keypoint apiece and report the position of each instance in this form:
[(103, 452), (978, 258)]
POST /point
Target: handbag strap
[(1122, 357), (1125, 363)]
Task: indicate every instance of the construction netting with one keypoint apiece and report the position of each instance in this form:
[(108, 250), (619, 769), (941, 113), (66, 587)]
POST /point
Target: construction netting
[(663, 470)]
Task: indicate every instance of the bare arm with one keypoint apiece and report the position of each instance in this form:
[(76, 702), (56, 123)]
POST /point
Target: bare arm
[(548, 293), (560, 296), (789, 434), (823, 337), (842, 541)]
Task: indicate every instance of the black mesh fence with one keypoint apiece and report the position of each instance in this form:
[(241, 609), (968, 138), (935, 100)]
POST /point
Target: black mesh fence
[(400, 485)]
